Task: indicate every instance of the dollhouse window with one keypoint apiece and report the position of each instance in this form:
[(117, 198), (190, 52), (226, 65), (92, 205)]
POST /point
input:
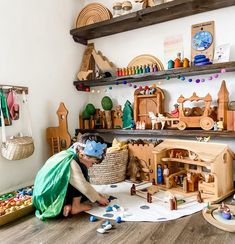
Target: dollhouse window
[(225, 158), (193, 166), (206, 170)]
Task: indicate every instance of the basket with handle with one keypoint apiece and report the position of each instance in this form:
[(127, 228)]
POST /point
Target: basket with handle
[(18, 147), (111, 170)]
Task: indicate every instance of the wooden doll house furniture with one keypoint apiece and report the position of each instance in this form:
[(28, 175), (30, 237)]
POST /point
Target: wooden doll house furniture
[(196, 166)]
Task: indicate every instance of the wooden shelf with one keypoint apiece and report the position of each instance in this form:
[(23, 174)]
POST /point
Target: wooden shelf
[(158, 14), (172, 73), (186, 161), (159, 133)]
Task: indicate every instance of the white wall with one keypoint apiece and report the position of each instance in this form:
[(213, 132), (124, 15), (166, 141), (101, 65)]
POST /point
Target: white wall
[(36, 50)]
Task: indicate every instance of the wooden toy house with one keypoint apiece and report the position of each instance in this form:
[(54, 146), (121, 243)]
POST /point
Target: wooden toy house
[(195, 166), (144, 103)]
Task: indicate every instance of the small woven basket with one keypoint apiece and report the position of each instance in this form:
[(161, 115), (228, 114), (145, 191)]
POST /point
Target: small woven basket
[(111, 170)]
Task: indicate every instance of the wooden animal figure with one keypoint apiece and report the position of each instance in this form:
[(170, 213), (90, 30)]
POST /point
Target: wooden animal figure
[(157, 119), (58, 137), (144, 171), (192, 155), (133, 169), (146, 3)]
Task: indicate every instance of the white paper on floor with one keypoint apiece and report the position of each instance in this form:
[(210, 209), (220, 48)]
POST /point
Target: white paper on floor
[(135, 208)]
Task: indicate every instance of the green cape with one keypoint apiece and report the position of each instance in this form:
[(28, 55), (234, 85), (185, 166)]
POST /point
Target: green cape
[(51, 185)]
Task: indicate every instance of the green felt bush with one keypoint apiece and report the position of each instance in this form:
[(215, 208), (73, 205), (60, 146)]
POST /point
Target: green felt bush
[(90, 109), (85, 115), (106, 103)]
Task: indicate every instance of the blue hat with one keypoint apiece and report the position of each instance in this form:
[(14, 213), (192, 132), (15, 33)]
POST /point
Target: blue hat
[(94, 149)]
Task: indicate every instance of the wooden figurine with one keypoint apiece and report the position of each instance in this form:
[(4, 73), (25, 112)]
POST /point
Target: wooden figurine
[(117, 117), (58, 137), (166, 172), (175, 112), (185, 63), (217, 159), (171, 64), (177, 61), (220, 124), (159, 174)]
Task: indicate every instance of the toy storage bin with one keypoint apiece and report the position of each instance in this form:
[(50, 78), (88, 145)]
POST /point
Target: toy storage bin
[(111, 170)]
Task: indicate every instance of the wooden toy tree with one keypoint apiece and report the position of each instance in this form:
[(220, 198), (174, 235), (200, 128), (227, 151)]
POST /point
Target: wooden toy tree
[(127, 118)]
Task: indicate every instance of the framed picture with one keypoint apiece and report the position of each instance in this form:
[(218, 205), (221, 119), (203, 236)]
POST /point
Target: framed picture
[(222, 53)]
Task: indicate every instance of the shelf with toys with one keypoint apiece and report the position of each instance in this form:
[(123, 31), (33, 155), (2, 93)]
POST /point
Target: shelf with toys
[(158, 133), (145, 17), (84, 85)]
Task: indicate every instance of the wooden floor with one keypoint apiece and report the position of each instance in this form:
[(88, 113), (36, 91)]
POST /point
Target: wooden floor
[(78, 229)]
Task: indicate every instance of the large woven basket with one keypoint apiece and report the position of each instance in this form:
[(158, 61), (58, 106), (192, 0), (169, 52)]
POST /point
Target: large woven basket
[(111, 170)]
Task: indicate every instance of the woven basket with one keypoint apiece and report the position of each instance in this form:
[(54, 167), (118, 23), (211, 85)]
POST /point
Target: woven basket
[(111, 170)]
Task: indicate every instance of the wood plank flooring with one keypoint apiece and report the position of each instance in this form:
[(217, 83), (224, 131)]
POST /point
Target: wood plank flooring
[(78, 229)]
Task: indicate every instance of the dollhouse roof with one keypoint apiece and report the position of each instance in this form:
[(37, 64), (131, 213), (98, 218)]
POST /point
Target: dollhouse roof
[(205, 150)]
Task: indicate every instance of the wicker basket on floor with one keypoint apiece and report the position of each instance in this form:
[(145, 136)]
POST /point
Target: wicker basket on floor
[(111, 170)]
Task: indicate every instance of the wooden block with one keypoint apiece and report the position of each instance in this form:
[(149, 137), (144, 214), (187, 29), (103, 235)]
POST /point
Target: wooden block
[(231, 120)]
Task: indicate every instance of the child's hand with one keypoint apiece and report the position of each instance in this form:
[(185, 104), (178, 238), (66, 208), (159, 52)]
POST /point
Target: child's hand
[(103, 200)]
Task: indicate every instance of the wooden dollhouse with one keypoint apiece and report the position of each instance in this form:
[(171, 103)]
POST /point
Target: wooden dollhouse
[(194, 166), (143, 103)]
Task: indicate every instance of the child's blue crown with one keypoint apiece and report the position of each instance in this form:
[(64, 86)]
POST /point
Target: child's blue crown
[(94, 149)]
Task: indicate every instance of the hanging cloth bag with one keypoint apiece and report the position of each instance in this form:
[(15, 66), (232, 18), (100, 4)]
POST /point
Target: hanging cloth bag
[(18, 147)]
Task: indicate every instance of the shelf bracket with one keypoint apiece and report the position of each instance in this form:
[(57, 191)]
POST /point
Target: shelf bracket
[(80, 40)]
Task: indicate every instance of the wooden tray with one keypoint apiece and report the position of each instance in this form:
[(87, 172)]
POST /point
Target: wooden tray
[(146, 59), (93, 13), (6, 218), (214, 218)]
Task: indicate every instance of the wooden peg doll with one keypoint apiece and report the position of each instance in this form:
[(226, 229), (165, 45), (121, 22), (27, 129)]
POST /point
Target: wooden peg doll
[(148, 68)]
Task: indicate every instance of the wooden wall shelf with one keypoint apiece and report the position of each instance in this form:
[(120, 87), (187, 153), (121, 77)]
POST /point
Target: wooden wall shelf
[(191, 71), (159, 133), (158, 14)]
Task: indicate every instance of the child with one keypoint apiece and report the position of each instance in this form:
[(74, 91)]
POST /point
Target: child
[(61, 186)]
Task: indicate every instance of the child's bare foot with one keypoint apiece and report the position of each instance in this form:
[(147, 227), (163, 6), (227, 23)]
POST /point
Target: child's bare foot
[(67, 209), (80, 208)]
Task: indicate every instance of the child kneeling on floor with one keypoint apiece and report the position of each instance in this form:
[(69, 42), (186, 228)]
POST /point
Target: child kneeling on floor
[(61, 186)]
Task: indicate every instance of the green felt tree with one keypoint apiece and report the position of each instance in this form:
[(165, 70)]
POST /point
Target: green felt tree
[(127, 118)]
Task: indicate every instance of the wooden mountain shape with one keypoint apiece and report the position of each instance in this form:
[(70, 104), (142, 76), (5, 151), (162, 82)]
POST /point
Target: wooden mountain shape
[(103, 63)]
